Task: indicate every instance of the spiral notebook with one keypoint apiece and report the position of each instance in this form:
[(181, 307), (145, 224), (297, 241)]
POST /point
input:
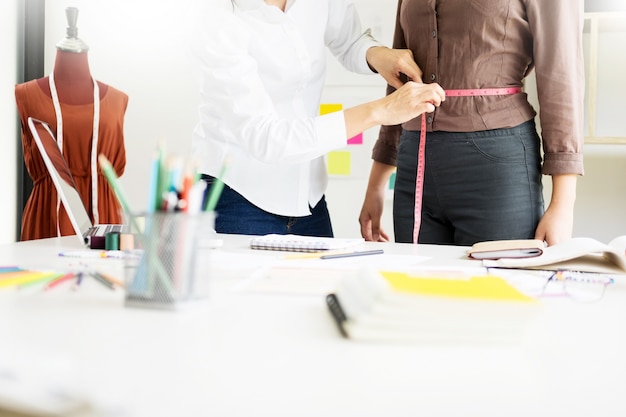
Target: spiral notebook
[(297, 243)]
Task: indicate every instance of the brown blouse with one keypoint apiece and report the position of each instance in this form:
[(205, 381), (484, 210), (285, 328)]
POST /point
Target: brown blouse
[(39, 219), (464, 44)]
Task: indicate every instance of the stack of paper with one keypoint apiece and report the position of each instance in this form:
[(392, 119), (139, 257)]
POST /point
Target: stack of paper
[(395, 306)]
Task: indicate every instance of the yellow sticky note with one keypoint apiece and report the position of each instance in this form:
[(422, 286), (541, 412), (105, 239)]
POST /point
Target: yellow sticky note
[(478, 287), (339, 163), (330, 108)]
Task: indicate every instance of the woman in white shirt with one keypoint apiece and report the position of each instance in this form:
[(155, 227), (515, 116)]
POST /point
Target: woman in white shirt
[(262, 67)]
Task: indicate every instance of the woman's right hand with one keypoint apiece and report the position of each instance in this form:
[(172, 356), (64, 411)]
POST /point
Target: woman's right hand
[(371, 215), (372, 210), (404, 104), (408, 102)]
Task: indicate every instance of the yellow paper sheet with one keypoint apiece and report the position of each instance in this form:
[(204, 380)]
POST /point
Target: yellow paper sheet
[(478, 287)]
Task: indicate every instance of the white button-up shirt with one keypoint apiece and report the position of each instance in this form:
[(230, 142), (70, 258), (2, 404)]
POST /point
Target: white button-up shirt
[(262, 74)]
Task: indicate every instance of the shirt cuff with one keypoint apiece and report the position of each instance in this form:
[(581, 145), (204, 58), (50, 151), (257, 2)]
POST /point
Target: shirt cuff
[(366, 42), (562, 163), (331, 130)]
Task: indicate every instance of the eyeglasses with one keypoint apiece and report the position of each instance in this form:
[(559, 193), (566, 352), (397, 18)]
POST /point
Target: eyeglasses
[(579, 286)]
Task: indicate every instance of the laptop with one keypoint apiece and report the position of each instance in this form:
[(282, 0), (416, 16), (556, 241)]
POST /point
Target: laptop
[(88, 233)]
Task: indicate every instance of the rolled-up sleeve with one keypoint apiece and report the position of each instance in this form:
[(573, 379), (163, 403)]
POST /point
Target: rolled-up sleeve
[(386, 147), (557, 27)]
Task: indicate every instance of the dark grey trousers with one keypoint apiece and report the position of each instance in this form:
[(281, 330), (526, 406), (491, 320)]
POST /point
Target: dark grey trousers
[(478, 186)]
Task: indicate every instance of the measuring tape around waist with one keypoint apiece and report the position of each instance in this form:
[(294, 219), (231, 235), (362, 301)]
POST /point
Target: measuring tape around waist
[(421, 153)]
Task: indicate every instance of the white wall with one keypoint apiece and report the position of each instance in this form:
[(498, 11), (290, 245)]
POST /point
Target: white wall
[(138, 46), (8, 116)]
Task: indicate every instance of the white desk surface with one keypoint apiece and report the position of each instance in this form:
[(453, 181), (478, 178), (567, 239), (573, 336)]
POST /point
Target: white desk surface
[(246, 353)]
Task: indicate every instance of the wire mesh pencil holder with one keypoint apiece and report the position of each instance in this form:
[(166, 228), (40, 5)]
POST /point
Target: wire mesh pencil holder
[(171, 272)]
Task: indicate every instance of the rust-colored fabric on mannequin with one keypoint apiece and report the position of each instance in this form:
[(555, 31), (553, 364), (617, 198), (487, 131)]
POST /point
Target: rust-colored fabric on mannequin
[(39, 219)]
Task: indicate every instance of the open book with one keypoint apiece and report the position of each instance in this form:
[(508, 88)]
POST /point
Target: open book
[(577, 254), (430, 307)]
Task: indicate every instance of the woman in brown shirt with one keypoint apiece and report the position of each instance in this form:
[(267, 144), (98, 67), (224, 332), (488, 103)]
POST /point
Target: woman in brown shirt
[(483, 162)]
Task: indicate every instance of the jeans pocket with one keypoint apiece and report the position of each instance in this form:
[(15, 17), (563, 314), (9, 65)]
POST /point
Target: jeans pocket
[(509, 150)]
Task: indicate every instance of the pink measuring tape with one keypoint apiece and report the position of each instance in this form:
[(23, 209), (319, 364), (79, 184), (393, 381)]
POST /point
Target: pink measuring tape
[(419, 179)]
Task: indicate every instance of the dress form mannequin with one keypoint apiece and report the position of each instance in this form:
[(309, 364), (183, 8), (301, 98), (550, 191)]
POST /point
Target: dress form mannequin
[(71, 67), (87, 118), (73, 79)]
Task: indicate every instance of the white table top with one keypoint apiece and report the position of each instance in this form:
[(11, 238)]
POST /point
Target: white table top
[(249, 353)]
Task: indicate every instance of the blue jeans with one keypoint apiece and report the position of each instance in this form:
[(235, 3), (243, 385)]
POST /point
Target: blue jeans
[(477, 186), (236, 215)]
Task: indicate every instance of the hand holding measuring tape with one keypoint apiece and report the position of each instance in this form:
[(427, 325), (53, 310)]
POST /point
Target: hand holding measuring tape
[(409, 101)]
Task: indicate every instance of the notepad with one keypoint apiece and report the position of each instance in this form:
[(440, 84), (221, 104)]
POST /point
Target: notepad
[(498, 249), (297, 243)]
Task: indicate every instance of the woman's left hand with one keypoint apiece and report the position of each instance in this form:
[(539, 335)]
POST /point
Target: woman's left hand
[(392, 64)]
